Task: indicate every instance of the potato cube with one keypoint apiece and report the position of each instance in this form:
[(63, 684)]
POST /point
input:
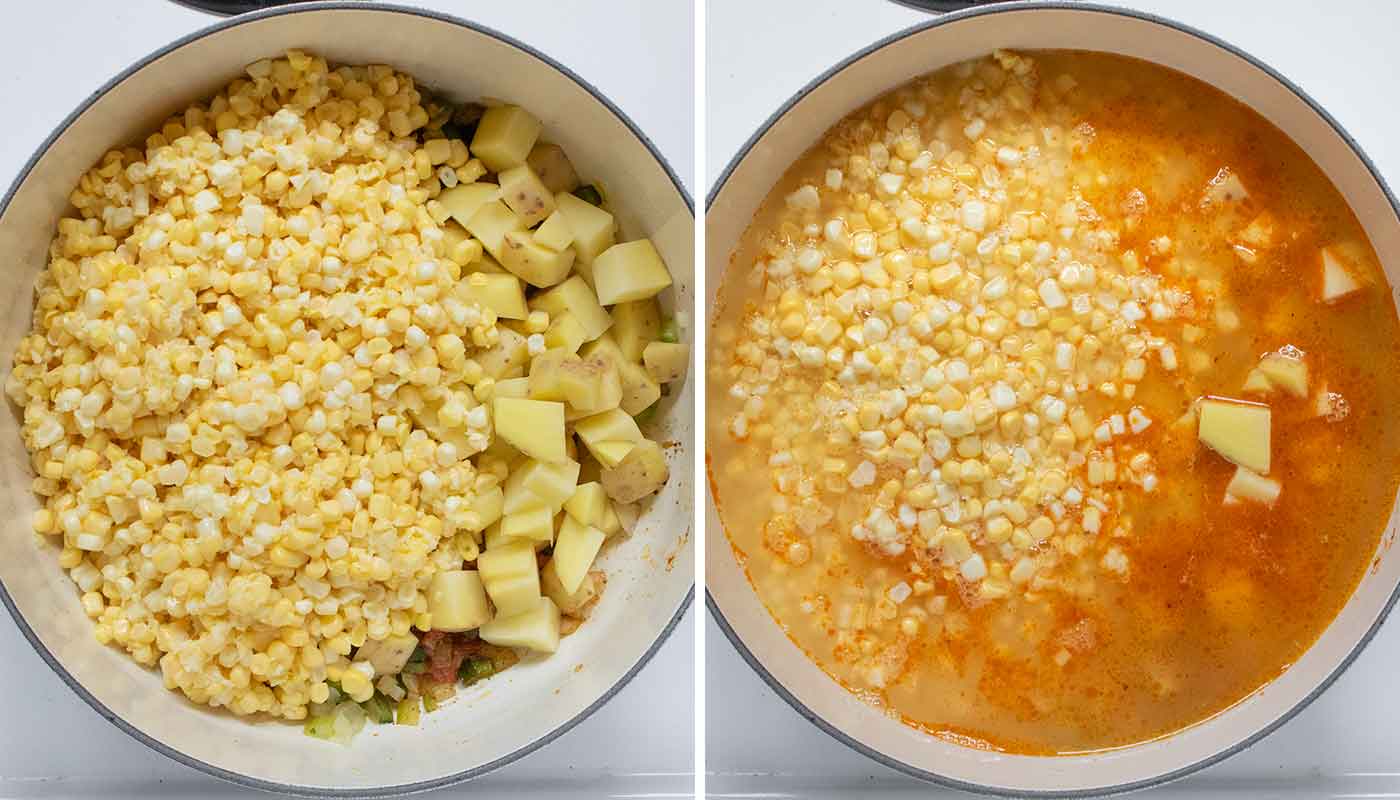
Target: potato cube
[(591, 226), (1249, 485), (577, 546), (629, 271), (1286, 372), (639, 390), (491, 223), (534, 628), (487, 506), (511, 387), (587, 503), (502, 294), (534, 263), (569, 602), (575, 296), (457, 601), (484, 262), (610, 524), (550, 484), (666, 362), (389, 655), (635, 325), (554, 168), (609, 436), (640, 473), (565, 332), (463, 201), (591, 385), (1256, 382), (1337, 280), (511, 576), (504, 137), (535, 525), (554, 232), (544, 374), (525, 193), (1237, 430), (507, 357), (534, 427)]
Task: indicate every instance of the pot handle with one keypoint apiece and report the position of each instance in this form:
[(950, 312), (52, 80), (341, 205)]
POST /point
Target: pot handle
[(940, 6), (228, 8)]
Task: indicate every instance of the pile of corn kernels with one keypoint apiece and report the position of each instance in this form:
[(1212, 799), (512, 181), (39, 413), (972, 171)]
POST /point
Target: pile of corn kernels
[(228, 344), (941, 346)]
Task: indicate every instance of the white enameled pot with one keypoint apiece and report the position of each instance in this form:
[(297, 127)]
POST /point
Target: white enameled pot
[(797, 126), (650, 573)]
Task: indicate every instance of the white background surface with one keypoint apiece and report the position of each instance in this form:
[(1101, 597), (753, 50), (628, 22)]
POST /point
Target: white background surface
[(1344, 54), (53, 54)]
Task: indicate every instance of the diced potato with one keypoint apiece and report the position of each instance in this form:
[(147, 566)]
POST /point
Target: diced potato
[(534, 628), (666, 362), (1259, 232), (506, 358), (464, 200), (554, 232), (553, 484), (491, 223), (1337, 281), (587, 503), (610, 524), (502, 294), (518, 498), (457, 601), (487, 506), (565, 332), (534, 427), (1249, 485), (639, 390), (1237, 430), (1225, 187), (554, 168), (544, 374), (574, 551), (1287, 373), (642, 472), (504, 137), (635, 325), (388, 655), (609, 436), (568, 603), (511, 387), (1256, 382), (485, 262), (591, 385), (629, 271), (591, 226), (511, 577), (525, 193), (534, 263), (535, 525), (576, 297)]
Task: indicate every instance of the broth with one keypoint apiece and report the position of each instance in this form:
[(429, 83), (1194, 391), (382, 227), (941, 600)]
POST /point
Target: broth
[(1127, 241)]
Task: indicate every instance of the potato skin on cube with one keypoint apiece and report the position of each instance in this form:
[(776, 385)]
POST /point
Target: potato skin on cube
[(629, 271), (490, 224), (552, 164), (525, 194), (532, 262), (642, 472), (666, 362), (388, 655), (570, 603)]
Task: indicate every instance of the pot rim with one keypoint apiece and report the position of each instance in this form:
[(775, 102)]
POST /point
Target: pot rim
[(713, 604), (241, 779)]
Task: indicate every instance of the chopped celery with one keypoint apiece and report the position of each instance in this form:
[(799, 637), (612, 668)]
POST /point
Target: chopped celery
[(669, 332), (429, 704), (378, 709), (418, 656), (408, 711), (322, 727), (589, 194), (476, 669)]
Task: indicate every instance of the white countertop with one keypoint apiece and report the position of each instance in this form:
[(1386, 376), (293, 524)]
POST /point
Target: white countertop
[(1342, 53), (55, 53)]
